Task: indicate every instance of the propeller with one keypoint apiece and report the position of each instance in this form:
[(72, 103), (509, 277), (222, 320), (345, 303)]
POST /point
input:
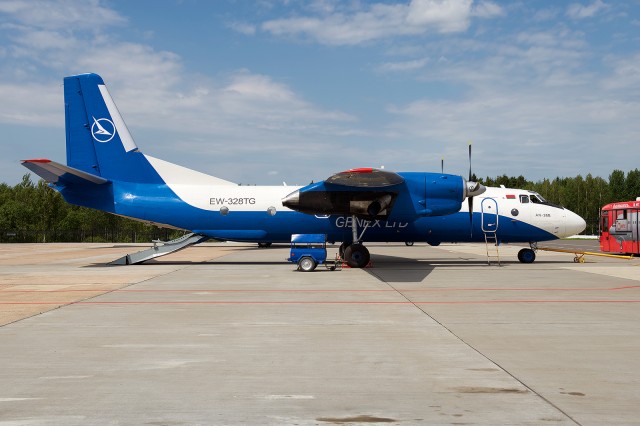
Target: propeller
[(472, 189), (442, 165), (470, 199)]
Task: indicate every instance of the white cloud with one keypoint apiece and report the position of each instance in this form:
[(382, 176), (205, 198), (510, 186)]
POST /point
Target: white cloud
[(62, 14), (580, 11), (378, 20), (413, 65), (233, 115), (443, 15), (487, 9), (242, 28)]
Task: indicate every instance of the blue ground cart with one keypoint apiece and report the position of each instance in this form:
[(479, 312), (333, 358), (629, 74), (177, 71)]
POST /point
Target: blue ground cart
[(309, 251)]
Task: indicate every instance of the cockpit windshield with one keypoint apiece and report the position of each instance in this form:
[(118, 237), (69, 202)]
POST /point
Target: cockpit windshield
[(539, 199)]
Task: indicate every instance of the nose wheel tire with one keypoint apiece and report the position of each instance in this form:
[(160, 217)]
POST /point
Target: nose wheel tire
[(357, 256), (526, 255)]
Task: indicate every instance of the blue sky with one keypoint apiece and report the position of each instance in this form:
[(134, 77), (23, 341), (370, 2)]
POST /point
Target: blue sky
[(269, 91)]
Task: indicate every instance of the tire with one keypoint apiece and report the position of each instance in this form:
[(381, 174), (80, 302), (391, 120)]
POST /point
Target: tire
[(264, 245), (342, 249), (307, 264), (526, 255), (357, 256)]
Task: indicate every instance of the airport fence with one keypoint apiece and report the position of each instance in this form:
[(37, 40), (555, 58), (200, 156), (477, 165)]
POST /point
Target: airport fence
[(86, 236)]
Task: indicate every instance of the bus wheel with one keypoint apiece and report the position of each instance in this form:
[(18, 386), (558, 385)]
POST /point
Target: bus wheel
[(526, 255)]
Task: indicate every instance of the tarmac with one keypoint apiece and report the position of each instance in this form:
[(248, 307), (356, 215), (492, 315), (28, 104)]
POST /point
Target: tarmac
[(230, 334)]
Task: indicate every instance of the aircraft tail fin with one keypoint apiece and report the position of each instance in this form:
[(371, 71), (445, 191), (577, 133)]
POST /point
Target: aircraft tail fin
[(98, 141)]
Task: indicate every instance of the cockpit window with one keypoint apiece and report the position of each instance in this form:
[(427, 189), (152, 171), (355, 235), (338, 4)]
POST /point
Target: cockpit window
[(538, 199), (524, 198)]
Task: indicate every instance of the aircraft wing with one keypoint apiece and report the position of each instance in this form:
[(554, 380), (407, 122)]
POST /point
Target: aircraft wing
[(363, 192), (61, 175)]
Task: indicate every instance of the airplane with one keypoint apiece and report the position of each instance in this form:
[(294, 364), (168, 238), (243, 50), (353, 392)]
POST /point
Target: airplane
[(106, 171)]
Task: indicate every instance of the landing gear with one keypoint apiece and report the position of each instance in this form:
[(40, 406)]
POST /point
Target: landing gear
[(342, 248), (264, 245), (357, 256), (354, 253), (526, 255)]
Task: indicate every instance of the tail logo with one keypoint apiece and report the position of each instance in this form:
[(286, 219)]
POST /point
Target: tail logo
[(103, 129)]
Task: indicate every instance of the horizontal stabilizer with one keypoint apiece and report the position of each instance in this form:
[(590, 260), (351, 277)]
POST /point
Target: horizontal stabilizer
[(59, 174)]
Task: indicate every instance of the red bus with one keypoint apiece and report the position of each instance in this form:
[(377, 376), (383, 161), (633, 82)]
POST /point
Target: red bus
[(620, 227)]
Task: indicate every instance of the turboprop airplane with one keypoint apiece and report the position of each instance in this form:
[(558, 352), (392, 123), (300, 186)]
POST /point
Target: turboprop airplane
[(106, 171)]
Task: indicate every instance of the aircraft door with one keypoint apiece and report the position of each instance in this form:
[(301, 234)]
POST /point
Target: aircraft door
[(605, 244), (489, 209)]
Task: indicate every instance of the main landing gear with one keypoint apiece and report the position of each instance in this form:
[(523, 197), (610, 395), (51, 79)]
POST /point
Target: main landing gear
[(355, 253)]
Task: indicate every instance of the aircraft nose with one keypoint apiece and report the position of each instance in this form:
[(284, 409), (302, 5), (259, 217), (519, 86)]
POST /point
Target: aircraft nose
[(574, 224), (292, 200)]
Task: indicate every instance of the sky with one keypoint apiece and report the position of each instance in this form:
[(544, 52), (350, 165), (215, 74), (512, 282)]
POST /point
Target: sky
[(273, 91)]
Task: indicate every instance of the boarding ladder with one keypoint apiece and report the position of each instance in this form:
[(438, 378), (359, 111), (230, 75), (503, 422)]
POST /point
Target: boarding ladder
[(490, 237), (160, 248)]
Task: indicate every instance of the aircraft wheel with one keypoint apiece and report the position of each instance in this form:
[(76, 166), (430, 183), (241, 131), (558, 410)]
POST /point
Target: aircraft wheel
[(526, 255), (357, 256), (264, 245), (408, 243), (342, 248), (306, 264)]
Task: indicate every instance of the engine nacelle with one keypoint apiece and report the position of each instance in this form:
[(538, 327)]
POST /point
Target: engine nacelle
[(436, 194), (407, 195)]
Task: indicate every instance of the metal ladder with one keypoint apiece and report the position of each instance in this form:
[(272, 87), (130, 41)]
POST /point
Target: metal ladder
[(160, 248), (490, 237)]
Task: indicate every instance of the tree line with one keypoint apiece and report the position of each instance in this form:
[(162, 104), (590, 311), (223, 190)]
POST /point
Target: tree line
[(33, 212)]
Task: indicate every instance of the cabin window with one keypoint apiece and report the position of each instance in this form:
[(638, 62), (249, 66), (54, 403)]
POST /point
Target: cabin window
[(524, 199)]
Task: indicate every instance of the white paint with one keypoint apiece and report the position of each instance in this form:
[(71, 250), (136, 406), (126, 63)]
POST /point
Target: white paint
[(121, 127)]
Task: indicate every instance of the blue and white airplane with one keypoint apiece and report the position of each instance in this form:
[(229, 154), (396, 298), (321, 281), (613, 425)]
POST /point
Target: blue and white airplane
[(106, 171)]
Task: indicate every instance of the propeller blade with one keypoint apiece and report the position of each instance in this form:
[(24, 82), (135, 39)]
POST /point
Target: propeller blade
[(469, 160), (442, 165), (470, 202), (470, 199)]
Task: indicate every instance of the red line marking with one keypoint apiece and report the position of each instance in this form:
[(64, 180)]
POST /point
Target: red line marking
[(426, 290), (470, 302)]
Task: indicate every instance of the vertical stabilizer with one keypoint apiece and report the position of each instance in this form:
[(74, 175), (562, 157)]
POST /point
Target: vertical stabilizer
[(98, 141)]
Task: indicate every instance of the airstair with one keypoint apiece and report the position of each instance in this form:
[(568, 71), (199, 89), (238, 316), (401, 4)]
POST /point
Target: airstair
[(490, 238), (160, 248)]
